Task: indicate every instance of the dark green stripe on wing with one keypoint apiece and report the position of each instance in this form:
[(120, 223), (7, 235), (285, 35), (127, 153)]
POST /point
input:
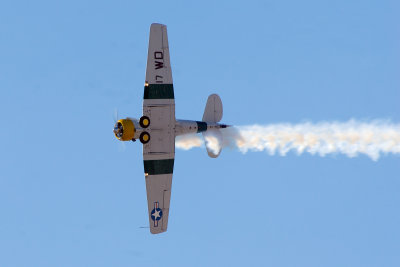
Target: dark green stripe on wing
[(162, 166), (158, 91)]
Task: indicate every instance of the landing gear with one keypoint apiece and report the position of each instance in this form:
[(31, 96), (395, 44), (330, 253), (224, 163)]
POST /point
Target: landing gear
[(144, 137), (144, 121)]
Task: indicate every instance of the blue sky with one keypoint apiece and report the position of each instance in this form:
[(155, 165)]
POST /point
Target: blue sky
[(70, 196)]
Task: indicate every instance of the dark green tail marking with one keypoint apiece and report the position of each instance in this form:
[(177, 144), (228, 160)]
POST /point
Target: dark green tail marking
[(159, 91), (162, 166), (201, 126)]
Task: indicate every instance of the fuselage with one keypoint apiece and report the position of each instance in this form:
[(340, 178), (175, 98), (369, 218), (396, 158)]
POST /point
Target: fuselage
[(181, 127)]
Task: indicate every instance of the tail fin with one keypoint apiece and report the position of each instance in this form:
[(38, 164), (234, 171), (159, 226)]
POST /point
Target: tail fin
[(213, 137), (213, 110)]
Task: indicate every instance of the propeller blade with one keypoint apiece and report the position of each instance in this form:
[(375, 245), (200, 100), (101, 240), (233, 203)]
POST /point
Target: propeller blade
[(115, 115), (121, 146)]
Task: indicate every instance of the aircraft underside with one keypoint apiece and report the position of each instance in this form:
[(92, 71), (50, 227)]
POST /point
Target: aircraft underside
[(157, 128)]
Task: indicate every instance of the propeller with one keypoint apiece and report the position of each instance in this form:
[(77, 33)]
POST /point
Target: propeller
[(115, 115), (121, 145), (117, 128)]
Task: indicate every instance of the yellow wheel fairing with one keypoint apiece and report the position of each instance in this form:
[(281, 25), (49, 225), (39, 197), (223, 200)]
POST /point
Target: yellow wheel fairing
[(146, 122), (128, 129)]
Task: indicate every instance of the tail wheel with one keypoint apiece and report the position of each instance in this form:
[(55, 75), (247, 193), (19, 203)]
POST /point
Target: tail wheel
[(144, 121), (144, 137)]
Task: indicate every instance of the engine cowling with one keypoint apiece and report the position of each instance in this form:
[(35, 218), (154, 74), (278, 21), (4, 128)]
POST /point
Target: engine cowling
[(124, 130)]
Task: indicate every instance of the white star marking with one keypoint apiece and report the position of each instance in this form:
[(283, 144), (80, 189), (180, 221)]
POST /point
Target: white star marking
[(156, 214)]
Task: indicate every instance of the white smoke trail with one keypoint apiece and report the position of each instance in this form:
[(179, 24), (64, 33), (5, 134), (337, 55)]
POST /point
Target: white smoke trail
[(350, 138)]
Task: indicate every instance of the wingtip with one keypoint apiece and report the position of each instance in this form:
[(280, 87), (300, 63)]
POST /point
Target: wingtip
[(155, 24), (155, 232)]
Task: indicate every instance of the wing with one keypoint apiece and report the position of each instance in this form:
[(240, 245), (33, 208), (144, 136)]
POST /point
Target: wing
[(158, 83), (158, 188), (159, 106)]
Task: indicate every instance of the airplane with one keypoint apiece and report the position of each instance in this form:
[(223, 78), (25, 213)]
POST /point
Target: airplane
[(157, 128)]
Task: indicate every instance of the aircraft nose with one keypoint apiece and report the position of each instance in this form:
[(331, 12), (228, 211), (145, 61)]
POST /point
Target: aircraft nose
[(118, 130)]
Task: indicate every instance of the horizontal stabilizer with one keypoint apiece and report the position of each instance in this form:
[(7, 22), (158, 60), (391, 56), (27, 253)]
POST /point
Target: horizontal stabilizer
[(213, 141), (213, 110)]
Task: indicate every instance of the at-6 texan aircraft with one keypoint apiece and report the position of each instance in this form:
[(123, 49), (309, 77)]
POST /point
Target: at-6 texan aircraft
[(157, 128)]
